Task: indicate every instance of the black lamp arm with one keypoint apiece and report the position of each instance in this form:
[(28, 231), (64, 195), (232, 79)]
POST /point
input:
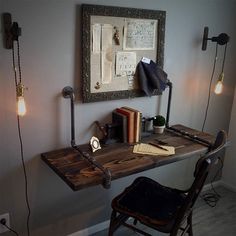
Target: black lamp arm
[(68, 92), (11, 30), (221, 39)]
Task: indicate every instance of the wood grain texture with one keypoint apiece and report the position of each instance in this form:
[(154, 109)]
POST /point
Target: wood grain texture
[(120, 159)]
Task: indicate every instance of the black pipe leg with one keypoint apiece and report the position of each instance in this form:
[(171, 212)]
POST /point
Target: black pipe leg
[(112, 223), (189, 221)]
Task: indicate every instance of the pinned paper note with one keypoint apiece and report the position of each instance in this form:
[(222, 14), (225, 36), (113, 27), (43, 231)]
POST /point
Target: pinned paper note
[(139, 34), (106, 59), (125, 63), (96, 38), (144, 148)]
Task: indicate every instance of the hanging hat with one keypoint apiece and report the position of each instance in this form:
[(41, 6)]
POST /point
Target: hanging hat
[(151, 77)]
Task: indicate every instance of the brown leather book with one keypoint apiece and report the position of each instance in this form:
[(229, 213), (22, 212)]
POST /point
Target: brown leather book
[(130, 123), (137, 123)]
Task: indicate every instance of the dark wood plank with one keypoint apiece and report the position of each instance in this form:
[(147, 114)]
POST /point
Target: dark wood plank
[(120, 159)]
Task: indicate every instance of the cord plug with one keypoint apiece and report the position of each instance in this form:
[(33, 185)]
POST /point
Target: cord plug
[(3, 221), (5, 225)]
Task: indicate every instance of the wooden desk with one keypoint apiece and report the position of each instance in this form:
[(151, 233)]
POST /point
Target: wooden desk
[(120, 159)]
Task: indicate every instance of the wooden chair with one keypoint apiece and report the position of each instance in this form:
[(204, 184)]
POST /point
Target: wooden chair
[(164, 209)]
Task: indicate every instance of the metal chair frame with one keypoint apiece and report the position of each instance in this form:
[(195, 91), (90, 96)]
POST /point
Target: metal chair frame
[(182, 219)]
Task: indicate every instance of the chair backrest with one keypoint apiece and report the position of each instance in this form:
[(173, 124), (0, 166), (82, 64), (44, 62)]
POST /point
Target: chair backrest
[(201, 172)]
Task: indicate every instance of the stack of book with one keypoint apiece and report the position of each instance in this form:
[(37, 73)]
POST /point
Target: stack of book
[(129, 121)]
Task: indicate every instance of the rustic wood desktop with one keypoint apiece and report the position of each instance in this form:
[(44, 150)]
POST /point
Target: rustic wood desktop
[(120, 159)]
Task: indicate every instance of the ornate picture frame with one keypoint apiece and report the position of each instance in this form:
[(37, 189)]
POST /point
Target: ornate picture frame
[(120, 23)]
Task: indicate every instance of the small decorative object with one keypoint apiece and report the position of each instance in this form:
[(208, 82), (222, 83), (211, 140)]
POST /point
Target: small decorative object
[(97, 86), (110, 132), (94, 143), (158, 124), (116, 36)]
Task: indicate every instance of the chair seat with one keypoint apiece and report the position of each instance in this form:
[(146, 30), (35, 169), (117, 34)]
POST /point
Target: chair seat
[(162, 208), (149, 202)]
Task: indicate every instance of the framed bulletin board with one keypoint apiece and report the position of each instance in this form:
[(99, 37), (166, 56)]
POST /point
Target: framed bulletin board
[(114, 40)]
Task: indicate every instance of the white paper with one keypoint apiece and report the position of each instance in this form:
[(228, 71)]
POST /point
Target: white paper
[(146, 60), (139, 34), (125, 63), (96, 38), (106, 56), (144, 148), (130, 82)]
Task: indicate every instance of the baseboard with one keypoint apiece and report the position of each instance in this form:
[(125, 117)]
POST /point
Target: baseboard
[(219, 183), (92, 230), (208, 186), (228, 186)]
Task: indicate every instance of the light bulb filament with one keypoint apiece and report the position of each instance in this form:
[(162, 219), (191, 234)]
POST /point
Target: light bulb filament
[(21, 107), (219, 84)]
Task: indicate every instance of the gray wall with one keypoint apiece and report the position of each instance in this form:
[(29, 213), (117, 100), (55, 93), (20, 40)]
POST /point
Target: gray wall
[(229, 171), (51, 59)]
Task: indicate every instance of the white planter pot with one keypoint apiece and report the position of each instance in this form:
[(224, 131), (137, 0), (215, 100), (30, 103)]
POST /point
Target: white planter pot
[(158, 129)]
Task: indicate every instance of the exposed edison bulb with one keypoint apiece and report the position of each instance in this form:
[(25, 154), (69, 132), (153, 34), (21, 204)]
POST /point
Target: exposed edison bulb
[(21, 108), (219, 84), (219, 87)]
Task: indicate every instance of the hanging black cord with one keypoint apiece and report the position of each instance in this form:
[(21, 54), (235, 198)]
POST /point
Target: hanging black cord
[(3, 222), (19, 133), (18, 58), (25, 174), (13, 231), (211, 199), (14, 64), (209, 90), (223, 63)]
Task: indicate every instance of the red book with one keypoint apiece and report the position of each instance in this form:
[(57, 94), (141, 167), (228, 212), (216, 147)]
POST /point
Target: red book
[(130, 123)]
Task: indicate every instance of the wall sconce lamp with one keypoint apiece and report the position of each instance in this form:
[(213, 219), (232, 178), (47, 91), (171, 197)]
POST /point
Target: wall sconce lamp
[(11, 35), (221, 39)]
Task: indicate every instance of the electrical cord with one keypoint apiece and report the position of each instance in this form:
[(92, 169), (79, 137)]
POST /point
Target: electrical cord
[(209, 89), (211, 199), (3, 222), (25, 174), (223, 63), (19, 133)]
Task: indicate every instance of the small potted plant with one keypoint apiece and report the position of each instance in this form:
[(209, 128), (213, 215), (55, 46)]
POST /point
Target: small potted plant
[(158, 124)]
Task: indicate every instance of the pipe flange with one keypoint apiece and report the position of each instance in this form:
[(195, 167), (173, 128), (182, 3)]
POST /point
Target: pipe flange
[(67, 92)]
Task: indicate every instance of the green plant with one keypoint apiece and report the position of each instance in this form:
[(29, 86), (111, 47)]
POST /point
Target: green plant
[(159, 120)]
